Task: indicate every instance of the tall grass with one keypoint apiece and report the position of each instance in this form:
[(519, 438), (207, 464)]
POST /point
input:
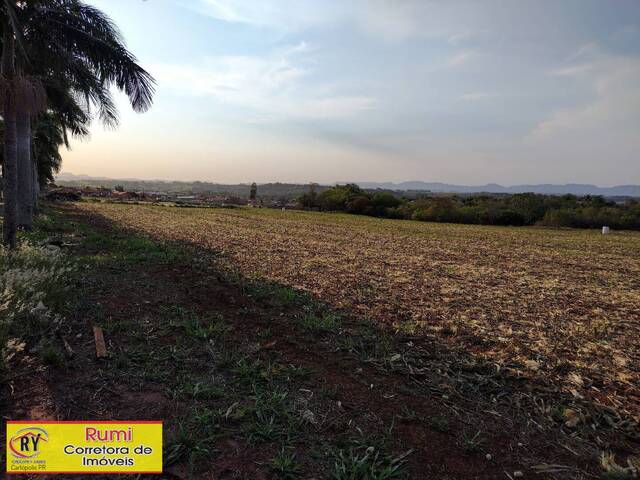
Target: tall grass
[(32, 289)]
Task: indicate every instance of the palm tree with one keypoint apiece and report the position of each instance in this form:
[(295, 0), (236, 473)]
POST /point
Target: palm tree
[(88, 54), (77, 53), (9, 167)]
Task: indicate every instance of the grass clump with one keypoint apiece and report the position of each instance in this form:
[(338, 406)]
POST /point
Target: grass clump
[(274, 418), (194, 326), (52, 356), (203, 391), (472, 443), (285, 466), (318, 324), (273, 295), (367, 464), (189, 446), (439, 423)]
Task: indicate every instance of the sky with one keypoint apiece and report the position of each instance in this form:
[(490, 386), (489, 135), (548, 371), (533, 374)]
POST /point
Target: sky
[(457, 91)]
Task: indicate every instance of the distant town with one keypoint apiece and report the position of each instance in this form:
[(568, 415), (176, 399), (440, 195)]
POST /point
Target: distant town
[(118, 192)]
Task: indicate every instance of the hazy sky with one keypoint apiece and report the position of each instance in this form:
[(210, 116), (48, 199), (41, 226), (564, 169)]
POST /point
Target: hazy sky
[(506, 91)]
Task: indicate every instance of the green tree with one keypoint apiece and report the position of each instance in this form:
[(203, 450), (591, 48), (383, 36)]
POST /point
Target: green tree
[(310, 198)]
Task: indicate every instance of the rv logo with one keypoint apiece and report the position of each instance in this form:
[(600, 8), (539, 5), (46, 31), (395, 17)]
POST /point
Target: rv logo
[(28, 442)]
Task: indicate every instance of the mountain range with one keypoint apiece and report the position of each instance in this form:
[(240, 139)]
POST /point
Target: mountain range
[(544, 188), (415, 186)]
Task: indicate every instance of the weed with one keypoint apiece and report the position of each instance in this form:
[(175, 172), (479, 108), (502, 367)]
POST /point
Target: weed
[(471, 443), (369, 464), (52, 356), (192, 325), (285, 466), (190, 446), (439, 423), (266, 428), (208, 420), (203, 391), (296, 372), (274, 402), (285, 296), (248, 372), (370, 347), (326, 323), (273, 416), (408, 414), (328, 391), (225, 358), (274, 295), (617, 475), (139, 249), (265, 333)]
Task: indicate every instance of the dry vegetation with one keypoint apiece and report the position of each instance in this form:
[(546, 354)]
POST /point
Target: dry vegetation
[(561, 306)]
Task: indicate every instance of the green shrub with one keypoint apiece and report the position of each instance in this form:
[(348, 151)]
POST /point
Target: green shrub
[(515, 210)]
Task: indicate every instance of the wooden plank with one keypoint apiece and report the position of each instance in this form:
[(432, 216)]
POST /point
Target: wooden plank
[(101, 348)]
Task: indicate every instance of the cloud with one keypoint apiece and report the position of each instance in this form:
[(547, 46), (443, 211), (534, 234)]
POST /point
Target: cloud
[(279, 14), (598, 138), (479, 96), (571, 71), (460, 59), (525, 81), (614, 108), (392, 20), (274, 87)]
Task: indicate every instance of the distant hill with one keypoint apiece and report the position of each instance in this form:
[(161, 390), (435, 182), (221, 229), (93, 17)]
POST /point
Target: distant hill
[(547, 189), (292, 190), (276, 191)]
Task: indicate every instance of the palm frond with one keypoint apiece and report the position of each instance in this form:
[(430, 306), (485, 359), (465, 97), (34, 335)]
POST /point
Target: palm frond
[(90, 34), (11, 20), (47, 139)]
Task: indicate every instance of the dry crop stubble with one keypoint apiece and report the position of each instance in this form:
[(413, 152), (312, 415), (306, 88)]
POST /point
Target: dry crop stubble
[(561, 305)]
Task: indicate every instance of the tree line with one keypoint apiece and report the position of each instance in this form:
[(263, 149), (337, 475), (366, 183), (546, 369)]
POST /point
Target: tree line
[(60, 60), (517, 209)]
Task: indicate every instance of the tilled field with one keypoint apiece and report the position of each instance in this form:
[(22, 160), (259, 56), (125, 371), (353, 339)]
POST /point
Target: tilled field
[(562, 306)]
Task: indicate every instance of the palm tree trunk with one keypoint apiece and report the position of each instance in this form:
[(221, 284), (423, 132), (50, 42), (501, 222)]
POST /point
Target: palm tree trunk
[(35, 184), (25, 171), (35, 179), (10, 171)]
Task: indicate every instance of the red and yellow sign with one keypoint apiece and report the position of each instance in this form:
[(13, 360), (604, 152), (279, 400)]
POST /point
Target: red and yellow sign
[(84, 447)]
